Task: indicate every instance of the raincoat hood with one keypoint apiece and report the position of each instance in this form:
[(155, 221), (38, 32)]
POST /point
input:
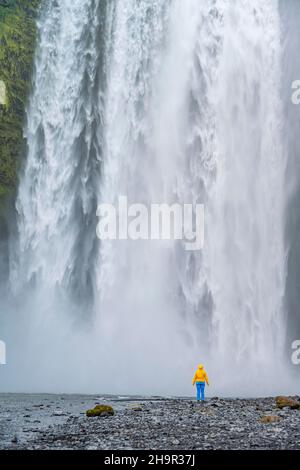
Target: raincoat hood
[(200, 375)]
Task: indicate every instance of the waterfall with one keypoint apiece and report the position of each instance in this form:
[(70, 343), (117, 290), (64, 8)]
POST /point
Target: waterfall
[(162, 101)]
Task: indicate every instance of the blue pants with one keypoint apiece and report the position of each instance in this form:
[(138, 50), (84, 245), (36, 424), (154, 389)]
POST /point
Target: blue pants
[(200, 391)]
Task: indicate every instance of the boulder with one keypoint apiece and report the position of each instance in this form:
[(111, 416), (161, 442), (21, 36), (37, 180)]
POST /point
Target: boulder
[(136, 407), (100, 411), (269, 419), (287, 402)]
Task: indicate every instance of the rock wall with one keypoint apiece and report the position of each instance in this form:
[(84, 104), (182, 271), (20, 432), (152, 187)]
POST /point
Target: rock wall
[(17, 44)]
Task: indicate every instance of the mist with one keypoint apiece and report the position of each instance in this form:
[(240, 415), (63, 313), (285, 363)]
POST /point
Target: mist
[(165, 102)]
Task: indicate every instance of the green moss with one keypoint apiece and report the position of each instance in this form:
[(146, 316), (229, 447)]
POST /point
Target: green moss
[(100, 410), (2, 190), (17, 45)]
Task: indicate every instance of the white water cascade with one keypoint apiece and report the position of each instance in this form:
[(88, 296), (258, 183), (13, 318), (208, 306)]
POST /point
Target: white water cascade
[(163, 101)]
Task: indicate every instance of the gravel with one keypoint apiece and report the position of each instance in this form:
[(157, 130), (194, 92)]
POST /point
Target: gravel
[(59, 422)]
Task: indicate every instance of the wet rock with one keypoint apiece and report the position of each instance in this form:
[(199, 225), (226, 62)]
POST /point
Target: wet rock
[(136, 407), (216, 405), (59, 413)]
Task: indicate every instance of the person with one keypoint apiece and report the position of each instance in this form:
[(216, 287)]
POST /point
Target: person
[(200, 378)]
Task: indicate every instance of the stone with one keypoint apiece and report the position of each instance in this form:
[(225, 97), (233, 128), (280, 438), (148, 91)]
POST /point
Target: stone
[(100, 411), (268, 419), (136, 407), (287, 402), (58, 413)]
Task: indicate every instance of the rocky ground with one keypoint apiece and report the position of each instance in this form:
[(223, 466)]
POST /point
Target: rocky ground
[(59, 422)]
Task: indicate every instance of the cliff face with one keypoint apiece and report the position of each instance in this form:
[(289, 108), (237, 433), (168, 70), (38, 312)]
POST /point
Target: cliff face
[(17, 44)]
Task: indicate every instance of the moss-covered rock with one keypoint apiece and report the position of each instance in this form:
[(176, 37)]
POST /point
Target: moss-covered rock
[(268, 419), (100, 410), (17, 45), (287, 402)]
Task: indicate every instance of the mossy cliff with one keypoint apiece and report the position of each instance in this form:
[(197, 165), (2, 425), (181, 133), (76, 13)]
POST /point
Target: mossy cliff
[(17, 45)]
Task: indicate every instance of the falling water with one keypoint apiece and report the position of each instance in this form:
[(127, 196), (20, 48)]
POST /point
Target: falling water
[(163, 101)]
